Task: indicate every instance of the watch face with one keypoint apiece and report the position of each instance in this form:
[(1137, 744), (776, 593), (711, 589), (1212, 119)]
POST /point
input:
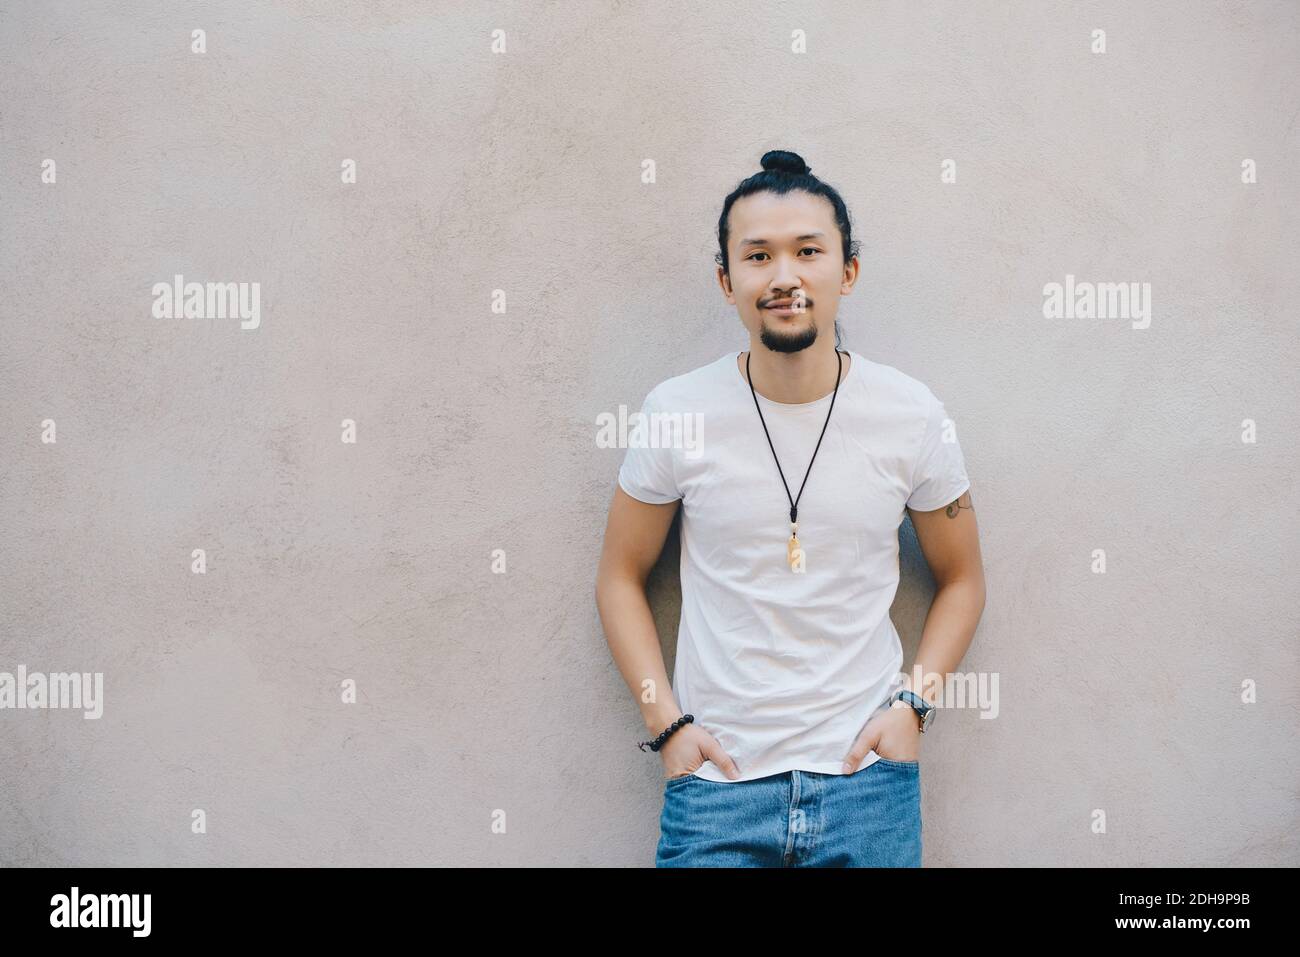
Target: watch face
[(929, 717)]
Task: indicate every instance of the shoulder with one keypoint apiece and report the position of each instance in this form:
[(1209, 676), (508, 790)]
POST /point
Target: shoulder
[(905, 392), (693, 388)]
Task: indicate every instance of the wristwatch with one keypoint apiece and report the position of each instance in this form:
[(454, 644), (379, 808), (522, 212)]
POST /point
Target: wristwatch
[(918, 704)]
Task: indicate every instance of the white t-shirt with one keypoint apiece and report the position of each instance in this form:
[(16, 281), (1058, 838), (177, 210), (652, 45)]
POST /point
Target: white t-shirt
[(784, 668)]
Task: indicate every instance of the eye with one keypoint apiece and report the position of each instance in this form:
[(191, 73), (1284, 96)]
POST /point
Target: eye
[(805, 249)]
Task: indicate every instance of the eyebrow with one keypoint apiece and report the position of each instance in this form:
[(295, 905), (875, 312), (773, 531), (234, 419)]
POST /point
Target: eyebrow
[(763, 242)]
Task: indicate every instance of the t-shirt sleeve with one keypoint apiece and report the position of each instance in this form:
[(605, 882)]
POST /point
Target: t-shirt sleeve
[(939, 474), (647, 472)]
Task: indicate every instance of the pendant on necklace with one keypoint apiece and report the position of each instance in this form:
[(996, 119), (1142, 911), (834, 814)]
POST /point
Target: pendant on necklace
[(794, 551)]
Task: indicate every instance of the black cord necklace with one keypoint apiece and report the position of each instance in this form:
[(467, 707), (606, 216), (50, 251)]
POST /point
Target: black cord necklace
[(794, 551)]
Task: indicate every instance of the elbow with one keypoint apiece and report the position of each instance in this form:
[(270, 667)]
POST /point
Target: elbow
[(610, 580), (969, 586)]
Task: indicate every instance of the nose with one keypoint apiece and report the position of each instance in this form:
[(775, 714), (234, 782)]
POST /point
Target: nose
[(784, 283), (784, 278)]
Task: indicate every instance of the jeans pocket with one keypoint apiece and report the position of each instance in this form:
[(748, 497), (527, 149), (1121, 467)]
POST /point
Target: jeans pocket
[(897, 764), (681, 778)]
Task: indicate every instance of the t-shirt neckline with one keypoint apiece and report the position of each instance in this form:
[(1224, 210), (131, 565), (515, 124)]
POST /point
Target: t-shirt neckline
[(738, 376)]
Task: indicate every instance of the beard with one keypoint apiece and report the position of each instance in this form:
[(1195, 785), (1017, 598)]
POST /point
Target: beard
[(779, 341)]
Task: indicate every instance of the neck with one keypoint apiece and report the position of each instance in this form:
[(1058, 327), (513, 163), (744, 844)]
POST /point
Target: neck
[(794, 377)]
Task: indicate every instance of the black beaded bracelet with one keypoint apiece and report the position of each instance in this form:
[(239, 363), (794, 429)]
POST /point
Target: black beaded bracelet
[(664, 735)]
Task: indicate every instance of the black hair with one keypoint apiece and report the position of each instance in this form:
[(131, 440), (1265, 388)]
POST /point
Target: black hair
[(784, 171)]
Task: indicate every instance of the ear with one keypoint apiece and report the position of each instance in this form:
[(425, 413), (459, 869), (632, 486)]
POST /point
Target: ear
[(725, 282), (850, 276)]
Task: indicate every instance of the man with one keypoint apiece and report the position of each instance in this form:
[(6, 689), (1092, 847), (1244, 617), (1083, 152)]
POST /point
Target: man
[(804, 744)]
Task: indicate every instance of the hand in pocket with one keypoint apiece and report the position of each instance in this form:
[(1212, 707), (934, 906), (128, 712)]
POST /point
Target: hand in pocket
[(894, 734), (689, 747)]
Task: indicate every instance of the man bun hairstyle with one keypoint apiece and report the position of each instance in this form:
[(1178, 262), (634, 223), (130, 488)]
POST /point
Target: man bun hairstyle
[(782, 161), (783, 172)]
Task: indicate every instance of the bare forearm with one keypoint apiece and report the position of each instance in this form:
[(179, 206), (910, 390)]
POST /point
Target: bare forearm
[(634, 642), (948, 631)]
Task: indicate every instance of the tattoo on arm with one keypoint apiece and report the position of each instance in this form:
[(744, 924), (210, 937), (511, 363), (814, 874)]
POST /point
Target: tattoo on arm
[(953, 507)]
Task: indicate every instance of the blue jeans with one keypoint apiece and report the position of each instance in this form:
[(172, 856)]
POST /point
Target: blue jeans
[(870, 818)]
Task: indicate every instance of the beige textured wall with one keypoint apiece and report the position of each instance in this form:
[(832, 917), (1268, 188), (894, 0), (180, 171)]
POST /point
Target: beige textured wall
[(521, 171)]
